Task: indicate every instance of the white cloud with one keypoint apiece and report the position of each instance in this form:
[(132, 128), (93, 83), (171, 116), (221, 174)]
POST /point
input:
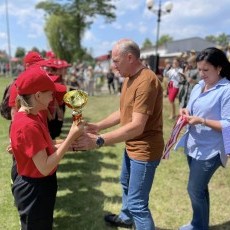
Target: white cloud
[(3, 35), (4, 46), (26, 16), (89, 36), (142, 28), (130, 26), (134, 20), (124, 6), (194, 18), (36, 29), (25, 12), (102, 26), (102, 47), (117, 26)]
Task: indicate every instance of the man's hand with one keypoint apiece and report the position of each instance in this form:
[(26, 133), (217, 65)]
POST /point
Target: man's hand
[(86, 141), (92, 128)]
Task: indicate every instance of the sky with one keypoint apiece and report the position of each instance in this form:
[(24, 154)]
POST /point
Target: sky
[(188, 18)]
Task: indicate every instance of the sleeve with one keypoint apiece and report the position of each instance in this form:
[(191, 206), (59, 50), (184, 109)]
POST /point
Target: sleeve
[(146, 95), (197, 87), (33, 140), (225, 108), (13, 95), (177, 79)]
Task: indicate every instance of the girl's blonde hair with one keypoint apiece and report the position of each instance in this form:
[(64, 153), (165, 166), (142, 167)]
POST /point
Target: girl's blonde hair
[(25, 101)]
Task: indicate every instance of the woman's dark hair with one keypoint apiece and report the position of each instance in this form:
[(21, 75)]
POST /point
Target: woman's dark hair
[(217, 58)]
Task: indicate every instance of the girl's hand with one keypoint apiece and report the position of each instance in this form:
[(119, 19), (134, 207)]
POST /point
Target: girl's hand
[(77, 130), (9, 149)]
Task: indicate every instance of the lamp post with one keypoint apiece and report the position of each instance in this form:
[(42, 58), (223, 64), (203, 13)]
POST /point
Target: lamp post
[(8, 38), (165, 9)]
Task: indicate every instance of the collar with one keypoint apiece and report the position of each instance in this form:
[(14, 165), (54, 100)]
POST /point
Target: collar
[(223, 81)]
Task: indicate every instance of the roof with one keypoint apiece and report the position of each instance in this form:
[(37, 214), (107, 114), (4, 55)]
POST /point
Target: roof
[(187, 44), (175, 48), (103, 57)]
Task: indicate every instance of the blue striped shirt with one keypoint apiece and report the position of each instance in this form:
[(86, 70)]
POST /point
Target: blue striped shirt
[(202, 142)]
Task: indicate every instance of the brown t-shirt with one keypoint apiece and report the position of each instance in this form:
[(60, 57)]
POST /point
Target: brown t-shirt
[(143, 93)]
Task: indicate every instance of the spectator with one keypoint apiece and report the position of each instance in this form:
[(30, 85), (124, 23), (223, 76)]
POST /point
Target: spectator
[(110, 80), (173, 86), (90, 76), (56, 109), (207, 113), (190, 78), (228, 52), (167, 67), (98, 76)]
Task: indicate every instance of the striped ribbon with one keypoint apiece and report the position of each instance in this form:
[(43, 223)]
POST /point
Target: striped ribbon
[(179, 124)]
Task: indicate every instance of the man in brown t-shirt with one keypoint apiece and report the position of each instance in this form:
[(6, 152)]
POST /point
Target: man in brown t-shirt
[(140, 117)]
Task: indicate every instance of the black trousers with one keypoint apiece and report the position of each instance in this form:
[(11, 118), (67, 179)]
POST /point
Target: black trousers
[(14, 172), (55, 125), (35, 200)]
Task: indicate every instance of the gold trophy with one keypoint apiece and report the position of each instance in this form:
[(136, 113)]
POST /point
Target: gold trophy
[(76, 100)]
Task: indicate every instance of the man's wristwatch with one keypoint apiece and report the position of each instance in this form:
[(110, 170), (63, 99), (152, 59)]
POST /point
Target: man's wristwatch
[(100, 141)]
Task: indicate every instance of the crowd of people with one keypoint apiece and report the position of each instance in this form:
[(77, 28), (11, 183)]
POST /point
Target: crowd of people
[(94, 79), (179, 77), (202, 84), (5, 69)]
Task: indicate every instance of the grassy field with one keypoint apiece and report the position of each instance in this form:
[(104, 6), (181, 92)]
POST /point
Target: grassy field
[(89, 182)]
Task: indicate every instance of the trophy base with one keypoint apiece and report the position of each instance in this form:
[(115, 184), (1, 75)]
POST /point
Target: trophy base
[(77, 118)]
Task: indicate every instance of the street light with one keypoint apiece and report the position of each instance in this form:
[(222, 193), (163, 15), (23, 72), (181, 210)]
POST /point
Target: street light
[(167, 8), (8, 37)]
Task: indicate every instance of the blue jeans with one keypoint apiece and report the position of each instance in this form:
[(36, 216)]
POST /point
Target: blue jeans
[(136, 180), (201, 171)]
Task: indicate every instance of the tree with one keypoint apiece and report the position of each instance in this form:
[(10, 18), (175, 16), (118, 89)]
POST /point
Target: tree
[(3, 56), (210, 38), (43, 53), (20, 52), (35, 49), (69, 20), (147, 43), (164, 39), (57, 34), (221, 40)]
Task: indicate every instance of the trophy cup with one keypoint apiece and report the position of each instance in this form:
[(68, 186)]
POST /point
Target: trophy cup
[(76, 100)]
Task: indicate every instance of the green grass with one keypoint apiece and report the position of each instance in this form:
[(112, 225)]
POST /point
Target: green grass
[(89, 182)]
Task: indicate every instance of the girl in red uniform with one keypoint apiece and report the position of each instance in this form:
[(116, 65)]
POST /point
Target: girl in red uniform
[(35, 186)]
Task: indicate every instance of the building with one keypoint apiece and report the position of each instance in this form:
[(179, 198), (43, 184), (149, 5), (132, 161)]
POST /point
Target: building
[(105, 61), (175, 49)]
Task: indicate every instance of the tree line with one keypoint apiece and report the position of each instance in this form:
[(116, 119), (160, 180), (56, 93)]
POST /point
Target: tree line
[(221, 40)]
